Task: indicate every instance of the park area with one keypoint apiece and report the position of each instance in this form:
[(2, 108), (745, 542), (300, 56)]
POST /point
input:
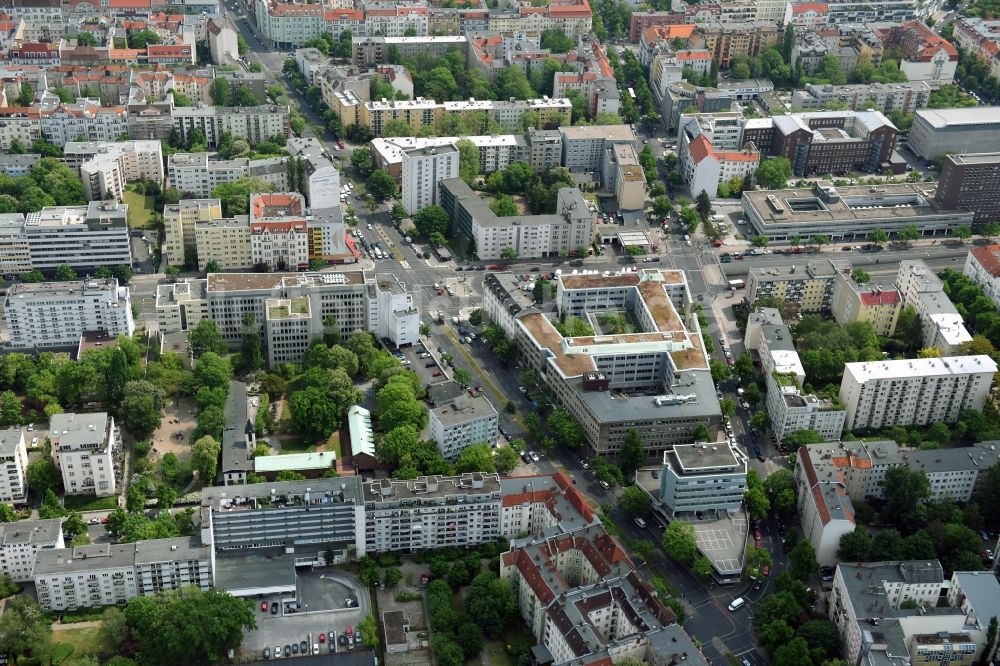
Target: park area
[(140, 210)]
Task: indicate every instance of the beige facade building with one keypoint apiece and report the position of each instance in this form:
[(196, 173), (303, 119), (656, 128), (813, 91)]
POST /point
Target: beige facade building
[(179, 226)]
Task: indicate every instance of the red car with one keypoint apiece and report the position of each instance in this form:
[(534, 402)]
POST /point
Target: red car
[(767, 572), (438, 373), (263, 606), (322, 637), (756, 538)]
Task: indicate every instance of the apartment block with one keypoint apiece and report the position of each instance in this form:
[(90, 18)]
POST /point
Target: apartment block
[(196, 175), (942, 325), (52, 315), (879, 305), (288, 25), (322, 179), (982, 266), (528, 235), (85, 237), (825, 510), (431, 512), (608, 382), (462, 422), (496, 151), (179, 220), (85, 117), (15, 256), (14, 463), (936, 132), (398, 317), (21, 541), (422, 170), (109, 167), (703, 165), (585, 147), (374, 50), (918, 391), (307, 516), (253, 123), (703, 477), (903, 97), (20, 123), (108, 574), (420, 113), (980, 37), (544, 149), (226, 241), (810, 286), (971, 182), (727, 40), (83, 448), (622, 174), (279, 238), (924, 54)]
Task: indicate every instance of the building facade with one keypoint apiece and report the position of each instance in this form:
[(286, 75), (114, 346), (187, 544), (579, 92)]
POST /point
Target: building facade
[(970, 182), (85, 237), (14, 462), (703, 477), (936, 132), (20, 542), (422, 170), (982, 266), (942, 325), (83, 448), (462, 422)]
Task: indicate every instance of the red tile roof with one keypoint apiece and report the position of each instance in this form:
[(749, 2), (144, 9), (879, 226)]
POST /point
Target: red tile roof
[(988, 258), (818, 7), (880, 297), (700, 149)]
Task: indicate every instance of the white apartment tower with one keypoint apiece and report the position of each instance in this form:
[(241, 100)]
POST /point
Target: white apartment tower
[(83, 447), (422, 170), (13, 462), (918, 391), (461, 423), (56, 314), (20, 542)]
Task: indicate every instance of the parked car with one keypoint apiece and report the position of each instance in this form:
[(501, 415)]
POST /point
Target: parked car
[(288, 650), (263, 604), (438, 373), (274, 608), (430, 364)]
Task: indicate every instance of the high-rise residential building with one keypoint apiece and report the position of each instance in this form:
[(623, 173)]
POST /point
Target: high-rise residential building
[(810, 285), (14, 462), (253, 123), (20, 542), (431, 512), (919, 391), (584, 147), (42, 315), (85, 237), (83, 447), (108, 574), (903, 97), (15, 256), (941, 324), (196, 175), (398, 317), (728, 40), (422, 113), (496, 151), (226, 241), (108, 167), (179, 219), (462, 422), (971, 182), (422, 170)]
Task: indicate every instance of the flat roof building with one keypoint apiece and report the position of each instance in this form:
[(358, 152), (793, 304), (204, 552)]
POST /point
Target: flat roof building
[(703, 477), (809, 286), (848, 213), (83, 448), (464, 421), (20, 542), (936, 132), (942, 325), (85, 237), (14, 464), (971, 182)]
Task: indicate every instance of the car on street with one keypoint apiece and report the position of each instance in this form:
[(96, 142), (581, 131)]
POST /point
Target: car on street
[(767, 570), (756, 538), (605, 485), (274, 608), (757, 452), (97, 521), (522, 389), (534, 456)]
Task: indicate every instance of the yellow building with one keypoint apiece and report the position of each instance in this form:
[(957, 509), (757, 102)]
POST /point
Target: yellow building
[(873, 303), (491, 116), (809, 286), (225, 241), (417, 113), (728, 40), (178, 222)]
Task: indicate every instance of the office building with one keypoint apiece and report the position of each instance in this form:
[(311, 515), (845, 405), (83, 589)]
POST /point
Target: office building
[(848, 213), (42, 315), (937, 132), (703, 477), (179, 219), (431, 512), (85, 237), (462, 422), (110, 574), (809, 286), (20, 542), (421, 171), (566, 230), (971, 182), (942, 326), (307, 517), (919, 391), (654, 380), (584, 147), (982, 266), (14, 461), (879, 305), (903, 97), (109, 167), (825, 510), (279, 238), (83, 448)]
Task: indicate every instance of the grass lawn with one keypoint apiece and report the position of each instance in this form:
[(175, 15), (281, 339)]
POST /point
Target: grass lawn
[(297, 445), (90, 503), (82, 641), (333, 444), (140, 208)]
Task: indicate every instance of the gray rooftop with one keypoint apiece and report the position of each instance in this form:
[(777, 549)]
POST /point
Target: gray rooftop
[(10, 440), (865, 583), (254, 568), (703, 456), (982, 593), (476, 484), (779, 338), (980, 456), (39, 533), (808, 271), (342, 489), (520, 489), (464, 409), (235, 456), (169, 550), (943, 118), (70, 431), (618, 406), (84, 558)]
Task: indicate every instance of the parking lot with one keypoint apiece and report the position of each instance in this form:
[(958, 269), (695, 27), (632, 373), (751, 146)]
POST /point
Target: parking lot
[(318, 608)]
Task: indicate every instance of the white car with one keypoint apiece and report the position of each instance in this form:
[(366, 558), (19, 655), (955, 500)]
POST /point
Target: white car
[(534, 456), (94, 521), (369, 226)]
